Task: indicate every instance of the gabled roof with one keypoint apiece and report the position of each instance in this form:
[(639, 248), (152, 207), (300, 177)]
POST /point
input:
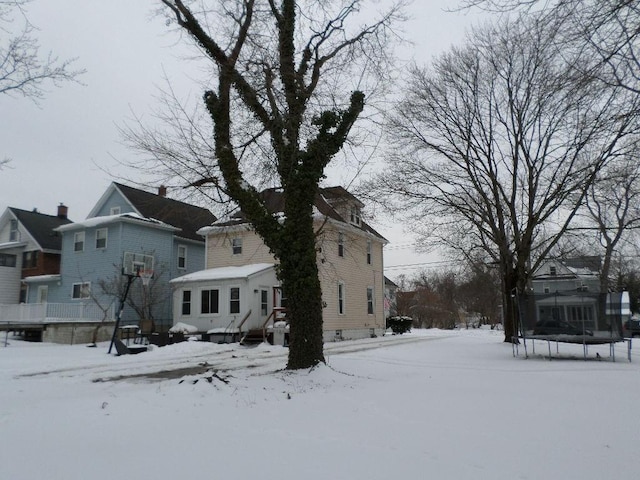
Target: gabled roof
[(188, 218), (41, 227), (273, 199)]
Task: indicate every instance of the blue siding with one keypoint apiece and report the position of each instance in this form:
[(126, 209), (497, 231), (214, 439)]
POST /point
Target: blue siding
[(114, 200)]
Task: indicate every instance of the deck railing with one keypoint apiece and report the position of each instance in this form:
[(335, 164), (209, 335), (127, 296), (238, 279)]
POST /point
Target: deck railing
[(54, 312)]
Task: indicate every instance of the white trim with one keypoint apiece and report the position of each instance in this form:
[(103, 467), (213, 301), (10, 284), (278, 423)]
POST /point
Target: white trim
[(106, 238), (183, 267), (76, 241), (207, 288), (82, 290), (229, 288)]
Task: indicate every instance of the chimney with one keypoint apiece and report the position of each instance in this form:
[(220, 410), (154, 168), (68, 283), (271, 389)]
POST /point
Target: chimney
[(62, 211), (162, 191)]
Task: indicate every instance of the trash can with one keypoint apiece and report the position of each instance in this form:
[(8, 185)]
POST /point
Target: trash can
[(279, 330)]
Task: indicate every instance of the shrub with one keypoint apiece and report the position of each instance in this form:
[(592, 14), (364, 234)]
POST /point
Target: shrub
[(399, 325)]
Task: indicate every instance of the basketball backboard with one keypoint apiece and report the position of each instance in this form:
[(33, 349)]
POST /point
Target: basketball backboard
[(134, 263)]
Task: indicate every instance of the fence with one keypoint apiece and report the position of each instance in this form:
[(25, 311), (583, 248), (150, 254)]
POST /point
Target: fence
[(35, 313)]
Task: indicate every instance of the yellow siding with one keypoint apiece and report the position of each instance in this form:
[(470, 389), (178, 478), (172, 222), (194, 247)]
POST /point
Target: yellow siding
[(352, 270)]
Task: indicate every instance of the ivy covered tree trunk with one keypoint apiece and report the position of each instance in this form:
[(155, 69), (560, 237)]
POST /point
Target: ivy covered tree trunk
[(272, 109), (299, 271)]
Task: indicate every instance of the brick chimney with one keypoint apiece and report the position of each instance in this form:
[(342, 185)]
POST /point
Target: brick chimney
[(162, 191), (62, 211)]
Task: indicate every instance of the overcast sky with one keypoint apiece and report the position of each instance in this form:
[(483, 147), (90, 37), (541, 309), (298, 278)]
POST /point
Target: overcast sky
[(62, 149)]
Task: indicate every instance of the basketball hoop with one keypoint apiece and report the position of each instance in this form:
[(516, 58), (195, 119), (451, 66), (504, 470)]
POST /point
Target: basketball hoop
[(145, 276)]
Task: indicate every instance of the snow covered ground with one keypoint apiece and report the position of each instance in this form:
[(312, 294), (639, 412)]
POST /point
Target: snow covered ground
[(427, 405)]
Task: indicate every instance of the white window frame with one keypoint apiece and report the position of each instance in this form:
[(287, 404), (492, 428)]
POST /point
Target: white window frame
[(341, 244), (546, 288), (184, 302), (553, 271), (355, 215), (205, 289), (341, 299), (236, 246), (371, 301), (369, 250), (105, 238), (114, 211), (238, 300), (264, 302), (84, 290), (14, 232), (78, 241), (182, 257)]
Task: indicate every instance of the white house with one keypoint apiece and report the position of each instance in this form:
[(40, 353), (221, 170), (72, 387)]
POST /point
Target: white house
[(226, 301)]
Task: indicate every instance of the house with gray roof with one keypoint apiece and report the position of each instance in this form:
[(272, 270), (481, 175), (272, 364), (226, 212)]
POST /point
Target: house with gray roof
[(29, 245), (128, 229)]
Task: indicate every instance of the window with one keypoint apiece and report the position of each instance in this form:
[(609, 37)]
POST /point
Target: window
[(340, 244), (264, 302), (182, 256), (340, 298), (546, 288), (114, 211), (234, 300), (30, 259), (370, 300), (209, 301), (368, 252), (236, 246), (7, 260), (355, 215), (78, 242), (81, 290), (101, 238), (186, 302), (552, 270), (14, 234)]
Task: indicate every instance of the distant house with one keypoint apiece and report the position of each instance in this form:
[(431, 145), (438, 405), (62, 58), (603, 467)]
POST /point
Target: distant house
[(29, 245), (568, 290), (127, 227), (390, 301), (350, 264)]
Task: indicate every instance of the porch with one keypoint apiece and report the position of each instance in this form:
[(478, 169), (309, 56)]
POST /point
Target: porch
[(67, 323)]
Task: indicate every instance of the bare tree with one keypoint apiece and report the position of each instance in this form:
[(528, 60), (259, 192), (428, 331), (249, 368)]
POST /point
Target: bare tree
[(498, 145), (608, 29), (283, 99), (23, 70), (612, 206)]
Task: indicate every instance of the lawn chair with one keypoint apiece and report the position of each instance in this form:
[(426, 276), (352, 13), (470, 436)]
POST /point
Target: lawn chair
[(145, 329)]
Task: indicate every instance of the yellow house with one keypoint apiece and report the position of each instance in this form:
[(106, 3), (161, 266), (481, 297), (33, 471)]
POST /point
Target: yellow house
[(349, 258)]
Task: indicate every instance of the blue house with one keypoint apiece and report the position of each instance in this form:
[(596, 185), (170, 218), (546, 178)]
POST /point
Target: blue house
[(131, 229)]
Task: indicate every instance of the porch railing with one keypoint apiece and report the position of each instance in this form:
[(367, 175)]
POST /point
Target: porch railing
[(54, 312)]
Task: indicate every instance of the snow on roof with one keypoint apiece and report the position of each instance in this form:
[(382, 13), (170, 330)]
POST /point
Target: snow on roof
[(223, 273), (103, 220), (41, 278)]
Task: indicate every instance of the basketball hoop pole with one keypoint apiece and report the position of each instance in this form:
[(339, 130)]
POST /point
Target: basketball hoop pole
[(123, 299)]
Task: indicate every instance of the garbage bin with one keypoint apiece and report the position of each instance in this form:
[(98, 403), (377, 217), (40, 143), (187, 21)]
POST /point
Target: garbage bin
[(279, 330)]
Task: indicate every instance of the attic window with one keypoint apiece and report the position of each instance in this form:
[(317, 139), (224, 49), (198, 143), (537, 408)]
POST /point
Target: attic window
[(355, 215), (552, 270), (115, 211), (13, 231)]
